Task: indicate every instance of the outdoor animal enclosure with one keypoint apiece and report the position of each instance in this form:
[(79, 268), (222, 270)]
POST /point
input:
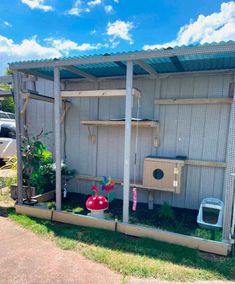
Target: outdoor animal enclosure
[(184, 98)]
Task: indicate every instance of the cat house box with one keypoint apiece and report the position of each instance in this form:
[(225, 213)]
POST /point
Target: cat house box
[(163, 174)]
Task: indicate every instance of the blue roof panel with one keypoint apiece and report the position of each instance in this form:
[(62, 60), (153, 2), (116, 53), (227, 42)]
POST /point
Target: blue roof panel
[(168, 63)]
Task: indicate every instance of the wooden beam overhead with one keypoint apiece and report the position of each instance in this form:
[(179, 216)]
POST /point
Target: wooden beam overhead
[(123, 66), (147, 68), (37, 74), (39, 97), (79, 72), (175, 61)]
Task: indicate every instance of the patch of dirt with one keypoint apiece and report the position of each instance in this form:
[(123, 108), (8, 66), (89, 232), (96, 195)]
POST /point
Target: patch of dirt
[(212, 256)]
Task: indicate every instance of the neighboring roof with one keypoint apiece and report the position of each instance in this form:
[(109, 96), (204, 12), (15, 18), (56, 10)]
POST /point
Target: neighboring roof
[(6, 79), (215, 56)]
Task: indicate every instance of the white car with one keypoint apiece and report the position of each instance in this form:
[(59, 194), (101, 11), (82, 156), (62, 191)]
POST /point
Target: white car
[(7, 138), (7, 116)]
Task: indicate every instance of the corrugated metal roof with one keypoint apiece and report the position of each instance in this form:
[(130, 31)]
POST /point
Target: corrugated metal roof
[(214, 56)]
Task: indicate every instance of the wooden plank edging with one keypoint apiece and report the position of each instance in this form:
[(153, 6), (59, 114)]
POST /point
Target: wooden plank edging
[(33, 211), (82, 220), (175, 238), (45, 196), (210, 246)]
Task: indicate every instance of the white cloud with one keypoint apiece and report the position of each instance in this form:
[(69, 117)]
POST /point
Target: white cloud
[(7, 24), (93, 32), (29, 49), (116, 1), (94, 2), (37, 4), (216, 27), (77, 9), (120, 29), (108, 9), (65, 45)]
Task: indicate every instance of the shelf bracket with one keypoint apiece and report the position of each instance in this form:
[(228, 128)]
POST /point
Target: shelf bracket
[(66, 107), (156, 139), (24, 108), (91, 137)]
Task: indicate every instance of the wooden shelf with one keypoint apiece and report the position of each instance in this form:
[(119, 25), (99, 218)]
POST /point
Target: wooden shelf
[(143, 124), (98, 93), (205, 101), (138, 184)]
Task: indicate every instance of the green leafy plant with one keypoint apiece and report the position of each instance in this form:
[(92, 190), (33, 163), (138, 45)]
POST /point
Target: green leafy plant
[(45, 178), (34, 155), (166, 212), (7, 104), (51, 205)]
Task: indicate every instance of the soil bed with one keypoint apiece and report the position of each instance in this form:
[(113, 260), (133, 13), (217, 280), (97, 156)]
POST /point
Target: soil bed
[(184, 221)]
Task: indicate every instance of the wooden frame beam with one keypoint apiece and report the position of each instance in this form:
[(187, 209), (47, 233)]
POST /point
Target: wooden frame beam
[(36, 74), (146, 67), (175, 61), (99, 93), (79, 72), (204, 101), (18, 103), (141, 124), (127, 144), (27, 96), (228, 188), (57, 127)]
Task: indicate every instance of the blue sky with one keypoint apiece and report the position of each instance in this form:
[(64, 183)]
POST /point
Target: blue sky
[(32, 29)]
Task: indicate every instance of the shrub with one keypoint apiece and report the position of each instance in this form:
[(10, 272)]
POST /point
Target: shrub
[(166, 212)]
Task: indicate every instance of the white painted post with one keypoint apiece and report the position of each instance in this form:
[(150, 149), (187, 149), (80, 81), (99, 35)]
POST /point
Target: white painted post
[(57, 129), (229, 179), (17, 98), (127, 149)]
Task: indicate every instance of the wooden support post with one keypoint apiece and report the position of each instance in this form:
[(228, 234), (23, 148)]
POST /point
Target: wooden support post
[(229, 179), (57, 127), (18, 103), (127, 150)]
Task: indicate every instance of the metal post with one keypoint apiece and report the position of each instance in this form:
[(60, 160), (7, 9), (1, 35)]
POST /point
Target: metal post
[(57, 128), (229, 179), (17, 98), (127, 150)]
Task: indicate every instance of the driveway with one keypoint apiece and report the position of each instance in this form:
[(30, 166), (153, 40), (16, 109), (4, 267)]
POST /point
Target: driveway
[(28, 258)]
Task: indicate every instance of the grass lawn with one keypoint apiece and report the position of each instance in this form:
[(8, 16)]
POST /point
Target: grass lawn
[(183, 222), (132, 256)]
